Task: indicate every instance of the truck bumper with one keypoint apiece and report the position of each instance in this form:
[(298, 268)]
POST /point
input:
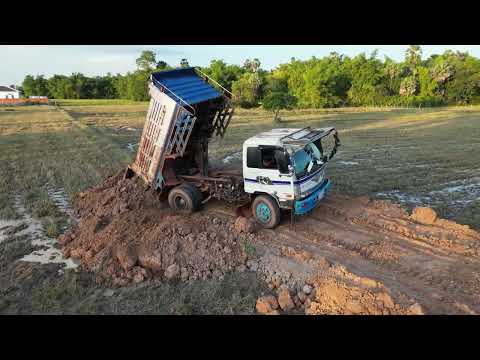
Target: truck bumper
[(309, 203)]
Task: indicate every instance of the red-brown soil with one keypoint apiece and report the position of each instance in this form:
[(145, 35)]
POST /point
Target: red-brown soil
[(124, 234), (358, 256)]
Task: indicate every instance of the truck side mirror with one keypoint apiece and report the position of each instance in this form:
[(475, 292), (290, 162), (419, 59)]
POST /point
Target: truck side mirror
[(282, 161)]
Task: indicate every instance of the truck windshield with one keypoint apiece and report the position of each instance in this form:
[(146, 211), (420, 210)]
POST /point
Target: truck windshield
[(303, 158)]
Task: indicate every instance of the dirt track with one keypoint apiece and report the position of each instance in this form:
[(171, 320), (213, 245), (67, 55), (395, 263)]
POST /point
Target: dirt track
[(435, 264), (355, 253)]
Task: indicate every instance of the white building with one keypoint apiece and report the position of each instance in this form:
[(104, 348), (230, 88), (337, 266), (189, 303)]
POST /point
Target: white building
[(6, 92)]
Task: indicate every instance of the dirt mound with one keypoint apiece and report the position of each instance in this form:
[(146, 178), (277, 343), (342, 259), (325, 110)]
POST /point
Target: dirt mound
[(314, 286), (332, 296), (349, 256), (125, 234), (424, 215)]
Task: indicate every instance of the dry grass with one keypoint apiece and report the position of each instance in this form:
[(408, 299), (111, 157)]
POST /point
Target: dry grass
[(409, 155), (48, 148)]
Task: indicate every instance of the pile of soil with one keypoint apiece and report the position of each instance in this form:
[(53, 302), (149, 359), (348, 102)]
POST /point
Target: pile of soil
[(398, 263), (332, 296), (125, 234), (304, 283)]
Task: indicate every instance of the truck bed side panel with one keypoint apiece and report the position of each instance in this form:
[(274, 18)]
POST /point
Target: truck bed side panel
[(161, 115)]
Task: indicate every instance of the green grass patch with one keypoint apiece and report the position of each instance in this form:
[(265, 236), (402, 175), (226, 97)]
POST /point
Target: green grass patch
[(408, 152), (52, 228), (94, 102)]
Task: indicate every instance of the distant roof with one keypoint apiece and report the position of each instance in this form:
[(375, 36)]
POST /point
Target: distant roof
[(185, 84), (6, 88)]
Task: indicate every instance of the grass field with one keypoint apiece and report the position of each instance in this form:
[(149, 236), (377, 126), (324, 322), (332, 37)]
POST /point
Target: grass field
[(408, 155), (411, 156), (95, 102), (46, 150)]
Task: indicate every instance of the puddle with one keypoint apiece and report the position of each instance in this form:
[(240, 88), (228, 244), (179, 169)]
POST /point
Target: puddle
[(460, 192), (392, 147), (233, 158), (468, 171), (8, 228), (126, 128), (60, 199), (403, 198), (131, 147), (32, 227), (471, 186), (48, 254), (348, 162), (457, 194), (422, 166)]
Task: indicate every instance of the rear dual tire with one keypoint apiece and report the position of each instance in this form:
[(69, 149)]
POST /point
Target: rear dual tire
[(185, 199)]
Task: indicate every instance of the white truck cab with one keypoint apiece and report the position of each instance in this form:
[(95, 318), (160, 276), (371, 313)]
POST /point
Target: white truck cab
[(285, 168), (282, 168)]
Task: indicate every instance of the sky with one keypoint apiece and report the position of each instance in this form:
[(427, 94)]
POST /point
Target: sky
[(17, 61)]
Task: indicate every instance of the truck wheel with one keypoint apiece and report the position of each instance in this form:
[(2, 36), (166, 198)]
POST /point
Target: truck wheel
[(266, 211), (183, 199), (197, 195)]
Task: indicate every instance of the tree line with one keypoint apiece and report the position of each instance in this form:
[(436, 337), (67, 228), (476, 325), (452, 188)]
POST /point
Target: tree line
[(331, 81)]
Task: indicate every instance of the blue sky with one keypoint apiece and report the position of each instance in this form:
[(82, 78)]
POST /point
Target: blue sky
[(16, 61)]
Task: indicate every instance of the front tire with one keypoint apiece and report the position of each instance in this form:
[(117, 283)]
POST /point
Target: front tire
[(266, 211)]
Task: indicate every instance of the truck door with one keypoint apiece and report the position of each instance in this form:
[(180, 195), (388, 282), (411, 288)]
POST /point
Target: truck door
[(262, 174)]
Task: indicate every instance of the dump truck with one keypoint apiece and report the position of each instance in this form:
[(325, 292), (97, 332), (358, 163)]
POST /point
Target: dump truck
[(282, 169)]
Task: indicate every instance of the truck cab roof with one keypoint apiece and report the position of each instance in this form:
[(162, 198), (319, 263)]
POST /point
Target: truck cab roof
[(290, 137)]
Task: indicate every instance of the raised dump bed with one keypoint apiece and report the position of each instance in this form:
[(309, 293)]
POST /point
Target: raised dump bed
[(185, 111)]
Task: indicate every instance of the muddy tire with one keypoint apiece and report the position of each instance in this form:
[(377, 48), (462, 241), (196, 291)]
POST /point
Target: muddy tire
[(266, 211), (183, 199), (197, 195)]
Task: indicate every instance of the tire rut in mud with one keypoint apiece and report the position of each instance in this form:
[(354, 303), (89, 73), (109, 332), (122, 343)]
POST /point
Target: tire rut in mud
[(428, 273), (126, 235)]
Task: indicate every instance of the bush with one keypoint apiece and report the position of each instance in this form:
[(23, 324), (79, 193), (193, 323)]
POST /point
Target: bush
[(51, 228), (412, 101)]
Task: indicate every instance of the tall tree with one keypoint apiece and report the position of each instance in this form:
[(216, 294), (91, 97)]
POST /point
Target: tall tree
[(246, 90), (252, 65), (28, 85), (409, 86), (162, 65), (368, 81), (254, 77), (278, 97), (223, 73), (413, 57), (146, 61)]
